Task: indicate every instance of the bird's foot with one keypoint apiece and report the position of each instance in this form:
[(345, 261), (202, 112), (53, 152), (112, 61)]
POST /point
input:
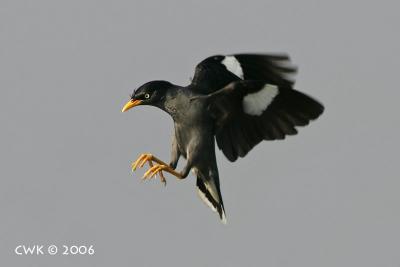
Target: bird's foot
[(146, 157), (157, 169), (149, 158)]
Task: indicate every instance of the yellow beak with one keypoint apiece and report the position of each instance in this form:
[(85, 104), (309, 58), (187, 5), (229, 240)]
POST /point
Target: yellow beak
[(131, 104)]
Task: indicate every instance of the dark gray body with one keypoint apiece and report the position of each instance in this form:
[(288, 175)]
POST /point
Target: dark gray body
[(193, 126), (193, 137)]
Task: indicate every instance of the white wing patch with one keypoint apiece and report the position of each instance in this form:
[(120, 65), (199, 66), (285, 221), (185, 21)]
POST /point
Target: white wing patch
[(257, 103), (233, 65)]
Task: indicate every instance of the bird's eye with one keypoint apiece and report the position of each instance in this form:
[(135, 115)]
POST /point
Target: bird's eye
[(147, 96)]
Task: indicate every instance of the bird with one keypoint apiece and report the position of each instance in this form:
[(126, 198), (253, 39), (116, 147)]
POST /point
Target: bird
[(233, 101)]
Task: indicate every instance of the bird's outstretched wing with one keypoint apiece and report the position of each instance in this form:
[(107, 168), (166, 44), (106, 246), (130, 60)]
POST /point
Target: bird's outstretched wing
[(215, 72), (247, 112)]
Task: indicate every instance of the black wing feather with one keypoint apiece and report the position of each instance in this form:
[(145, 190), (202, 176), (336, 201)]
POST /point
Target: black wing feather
[(236, 131), (274, 69), (211, 74), (239, 132)]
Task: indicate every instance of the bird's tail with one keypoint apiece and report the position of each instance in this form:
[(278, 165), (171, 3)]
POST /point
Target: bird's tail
[(209, 192)]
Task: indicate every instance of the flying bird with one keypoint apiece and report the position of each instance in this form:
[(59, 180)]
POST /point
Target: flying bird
[(236, 101)]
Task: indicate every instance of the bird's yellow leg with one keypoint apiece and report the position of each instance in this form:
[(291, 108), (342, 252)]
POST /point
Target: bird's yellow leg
[(143, 158), (158, 169), (162, 178), (146, 157)]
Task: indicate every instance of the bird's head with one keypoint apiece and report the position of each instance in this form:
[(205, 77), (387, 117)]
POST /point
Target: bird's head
[(151, 93)]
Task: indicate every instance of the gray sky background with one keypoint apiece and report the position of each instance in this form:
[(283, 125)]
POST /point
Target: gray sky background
[(326, 197)]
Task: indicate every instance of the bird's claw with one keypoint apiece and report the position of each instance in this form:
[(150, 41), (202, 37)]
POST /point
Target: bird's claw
[(141, 160), (156, 169)]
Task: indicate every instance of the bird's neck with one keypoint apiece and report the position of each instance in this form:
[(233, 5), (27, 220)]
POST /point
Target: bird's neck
[(175, 101)]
